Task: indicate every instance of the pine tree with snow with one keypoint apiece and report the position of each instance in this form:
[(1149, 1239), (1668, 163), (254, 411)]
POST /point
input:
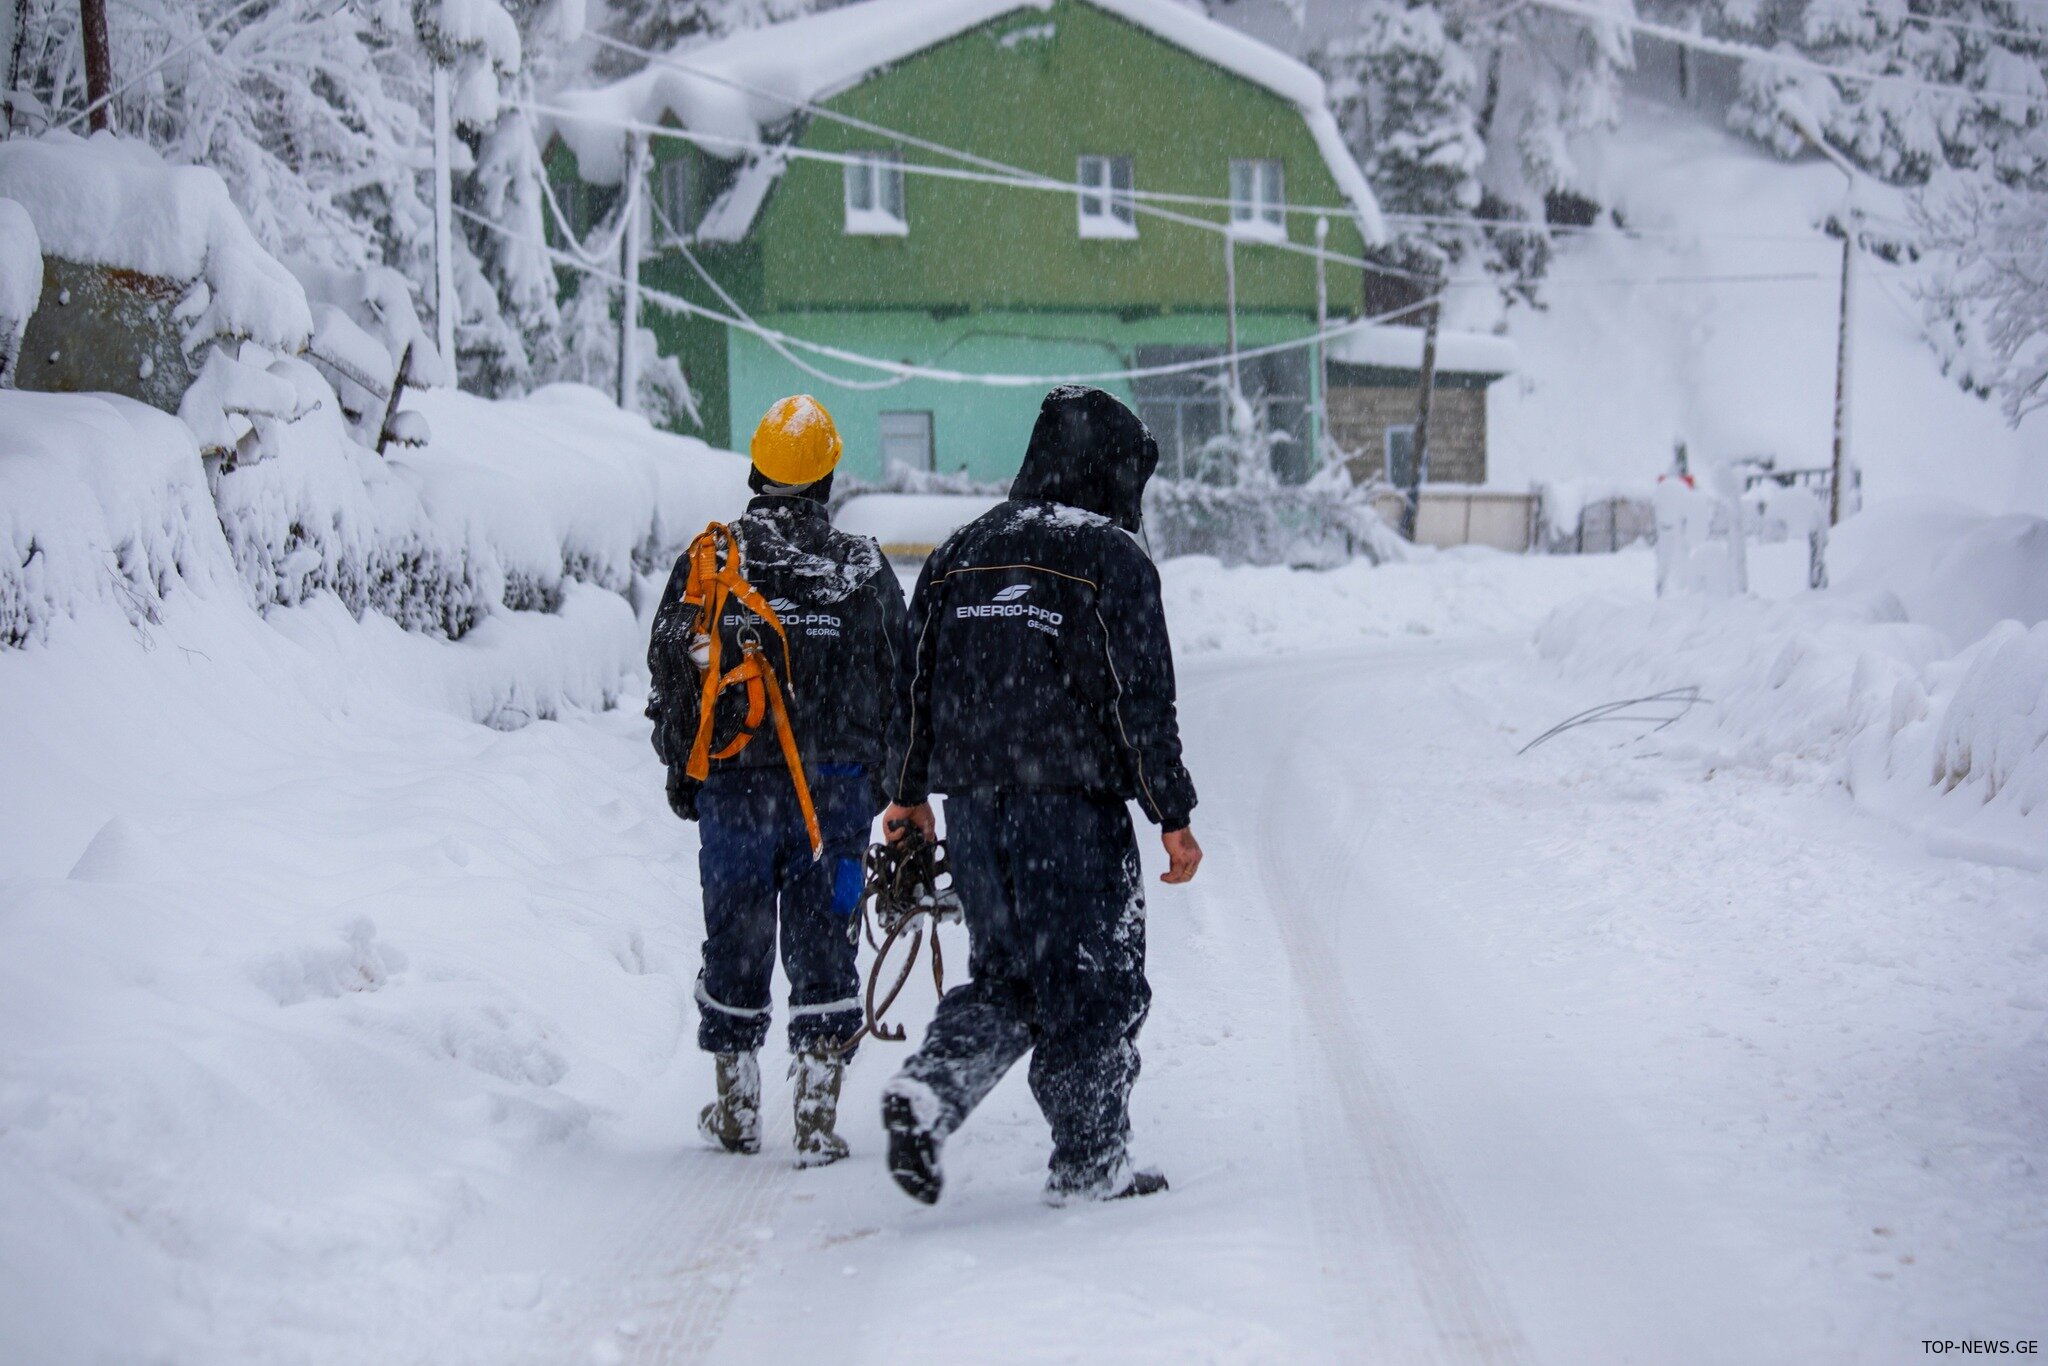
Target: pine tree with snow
[(1403, 93), (1987, 297)]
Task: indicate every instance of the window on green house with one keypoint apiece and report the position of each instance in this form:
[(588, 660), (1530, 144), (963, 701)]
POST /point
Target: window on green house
[(874, 195), (1258, 199), (907, 440), (672, 199), (1108, 208)]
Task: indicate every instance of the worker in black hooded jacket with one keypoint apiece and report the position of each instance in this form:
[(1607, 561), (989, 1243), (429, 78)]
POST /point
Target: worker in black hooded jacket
[(1040, 701), (841, 610)]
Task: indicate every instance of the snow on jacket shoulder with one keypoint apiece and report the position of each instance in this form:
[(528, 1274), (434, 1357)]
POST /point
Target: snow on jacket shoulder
[(1041, 657), (842, 609)]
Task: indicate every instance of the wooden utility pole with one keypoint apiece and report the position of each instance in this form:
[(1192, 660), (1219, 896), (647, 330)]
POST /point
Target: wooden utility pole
[(99, 64), (1418, 466)]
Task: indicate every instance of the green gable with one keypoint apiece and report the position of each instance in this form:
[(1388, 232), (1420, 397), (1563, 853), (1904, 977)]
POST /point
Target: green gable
[(993, 278)]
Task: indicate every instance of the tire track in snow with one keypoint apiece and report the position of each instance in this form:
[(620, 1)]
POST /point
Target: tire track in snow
[(1397, 1193)]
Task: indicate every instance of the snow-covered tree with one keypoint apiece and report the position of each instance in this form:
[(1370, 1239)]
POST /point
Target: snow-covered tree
[(1403, 93), (1995, 51), (1987, 299), (667, 25)]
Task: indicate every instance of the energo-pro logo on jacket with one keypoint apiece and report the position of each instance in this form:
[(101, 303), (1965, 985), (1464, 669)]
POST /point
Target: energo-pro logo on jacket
[(792, 616), (1009, 602)]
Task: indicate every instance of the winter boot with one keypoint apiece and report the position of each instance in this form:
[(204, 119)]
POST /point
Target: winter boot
[(1122, 1183), (913, 1144), (733, 1121), (817, 1074)]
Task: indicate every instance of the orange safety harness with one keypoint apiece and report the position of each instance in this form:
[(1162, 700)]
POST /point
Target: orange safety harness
[(714, 580)]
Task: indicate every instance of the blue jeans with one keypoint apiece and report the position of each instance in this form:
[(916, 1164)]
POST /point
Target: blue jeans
[(756, 865)]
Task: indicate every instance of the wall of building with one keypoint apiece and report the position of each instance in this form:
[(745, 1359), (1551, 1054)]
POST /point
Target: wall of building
[(976, 428), (1035, 99), (1360, 415)]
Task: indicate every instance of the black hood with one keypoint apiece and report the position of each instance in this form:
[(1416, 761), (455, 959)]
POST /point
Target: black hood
[(1089, 451)]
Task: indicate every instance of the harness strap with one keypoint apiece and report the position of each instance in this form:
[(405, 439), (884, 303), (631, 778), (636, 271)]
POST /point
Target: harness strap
[(713, 581)]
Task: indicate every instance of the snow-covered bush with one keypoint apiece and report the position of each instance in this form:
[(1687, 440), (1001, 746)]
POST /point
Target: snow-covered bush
[(1987, 299), (102, 507)]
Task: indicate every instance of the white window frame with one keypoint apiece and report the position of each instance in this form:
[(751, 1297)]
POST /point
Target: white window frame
[(1106, 209), (874, 196), (672, 179), (1258, 198)]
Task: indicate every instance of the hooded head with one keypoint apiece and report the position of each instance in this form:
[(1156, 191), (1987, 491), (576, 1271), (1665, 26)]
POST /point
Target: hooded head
[(1089, 451)]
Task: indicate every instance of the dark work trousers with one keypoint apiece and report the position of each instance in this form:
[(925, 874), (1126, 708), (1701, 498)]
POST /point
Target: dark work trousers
[(1056, 926), (755, 860)]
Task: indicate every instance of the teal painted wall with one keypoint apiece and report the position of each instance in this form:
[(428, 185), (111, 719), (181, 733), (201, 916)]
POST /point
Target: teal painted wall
[(977, 428)]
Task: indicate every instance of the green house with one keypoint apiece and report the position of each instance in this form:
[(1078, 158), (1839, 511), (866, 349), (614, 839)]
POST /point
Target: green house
[(994, 193)]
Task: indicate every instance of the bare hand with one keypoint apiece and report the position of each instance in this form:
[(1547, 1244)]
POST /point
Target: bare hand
[(898, 819), (1183, 855)]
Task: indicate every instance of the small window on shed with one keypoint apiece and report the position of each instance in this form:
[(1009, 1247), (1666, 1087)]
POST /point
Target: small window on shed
[(1258, 198), (874, 195), (1108, 208), (672, 197), (1400, 452)]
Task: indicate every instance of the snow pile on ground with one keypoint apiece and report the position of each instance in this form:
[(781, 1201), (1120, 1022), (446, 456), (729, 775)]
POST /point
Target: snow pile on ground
[(1468, 591), (1851, 686), (114, 202)]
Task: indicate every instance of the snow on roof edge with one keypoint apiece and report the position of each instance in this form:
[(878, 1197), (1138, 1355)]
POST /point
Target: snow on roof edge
[(840, 47), (1400, 348)]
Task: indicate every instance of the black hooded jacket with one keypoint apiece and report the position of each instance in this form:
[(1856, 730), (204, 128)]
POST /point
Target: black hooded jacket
[(1041, 656), (842, 608)]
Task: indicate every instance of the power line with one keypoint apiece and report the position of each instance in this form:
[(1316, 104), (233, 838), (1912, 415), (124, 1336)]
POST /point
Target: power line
[(1142, 203), (1793, 61), (1020, 181), (676, 303)]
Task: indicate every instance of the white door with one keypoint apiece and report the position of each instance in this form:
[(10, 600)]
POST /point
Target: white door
[(907, 440)]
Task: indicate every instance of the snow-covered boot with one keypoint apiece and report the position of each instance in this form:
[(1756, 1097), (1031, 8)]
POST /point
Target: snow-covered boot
[(733, 1121), (817, 1075), (1122, 1183), (910, 1113)]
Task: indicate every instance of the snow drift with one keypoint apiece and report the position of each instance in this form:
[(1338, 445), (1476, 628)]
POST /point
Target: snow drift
[(1865, 686)]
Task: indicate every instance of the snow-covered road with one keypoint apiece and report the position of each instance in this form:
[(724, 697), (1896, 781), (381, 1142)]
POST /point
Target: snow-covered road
[(360, 1032), (1397, 1129)]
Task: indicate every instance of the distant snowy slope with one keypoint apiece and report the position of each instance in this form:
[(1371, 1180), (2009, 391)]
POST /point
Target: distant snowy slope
[(1634, 351)]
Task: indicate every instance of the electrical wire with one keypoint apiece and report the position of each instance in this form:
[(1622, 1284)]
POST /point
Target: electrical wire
[(676, 303)]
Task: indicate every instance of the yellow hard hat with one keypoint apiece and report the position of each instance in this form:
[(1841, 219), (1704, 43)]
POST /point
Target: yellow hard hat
[(796, 442)]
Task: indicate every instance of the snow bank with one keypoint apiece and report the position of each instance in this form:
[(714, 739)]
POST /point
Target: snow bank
[(1468, 591), (1953, 568), (487, 536), (102, 506), (110, 201), (1848, 687)]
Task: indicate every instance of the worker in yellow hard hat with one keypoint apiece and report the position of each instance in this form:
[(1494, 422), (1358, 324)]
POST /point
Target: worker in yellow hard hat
[(783, 819)]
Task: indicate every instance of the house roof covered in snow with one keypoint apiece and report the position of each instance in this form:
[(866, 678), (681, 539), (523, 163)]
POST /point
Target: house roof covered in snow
[(742, 86), (1400, 348)]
